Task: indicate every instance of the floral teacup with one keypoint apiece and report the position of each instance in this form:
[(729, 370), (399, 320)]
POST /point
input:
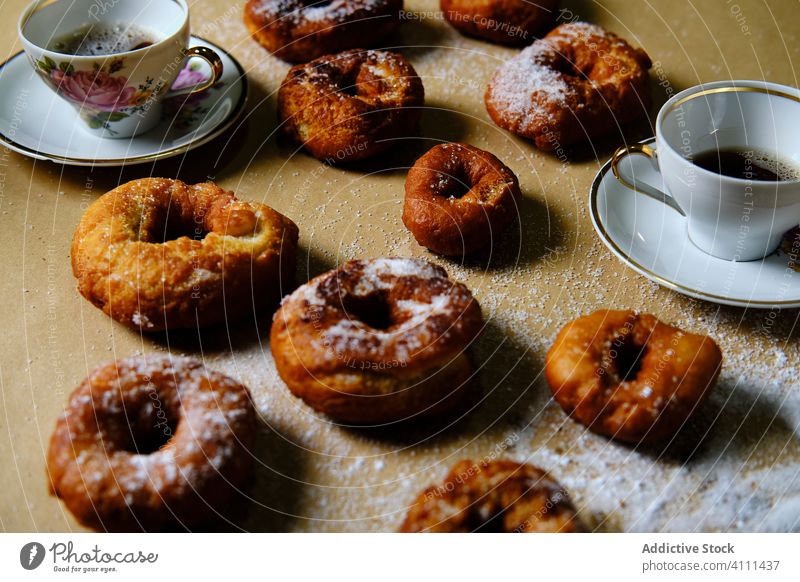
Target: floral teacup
[(116, 95)]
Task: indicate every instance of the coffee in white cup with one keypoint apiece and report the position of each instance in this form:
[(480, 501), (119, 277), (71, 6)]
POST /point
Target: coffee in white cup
[(729, 156)]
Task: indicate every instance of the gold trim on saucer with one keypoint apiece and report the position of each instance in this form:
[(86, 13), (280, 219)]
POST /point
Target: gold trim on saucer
[(626, 259), (235, 113)]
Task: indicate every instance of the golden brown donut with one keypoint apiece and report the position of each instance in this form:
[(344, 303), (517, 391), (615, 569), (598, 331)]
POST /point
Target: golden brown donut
[(493, 496), (511, 22), (459, 199), (577, 83), (298, 31), (352, 105), (629, 376), (159, 254), (151, 444), (377, 341)]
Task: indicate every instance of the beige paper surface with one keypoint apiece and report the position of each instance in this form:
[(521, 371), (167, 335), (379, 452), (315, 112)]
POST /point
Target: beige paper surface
[(315, 476)]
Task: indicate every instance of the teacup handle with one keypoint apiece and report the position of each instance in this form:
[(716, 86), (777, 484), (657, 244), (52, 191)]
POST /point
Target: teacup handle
[(641, 187), (213, 60)]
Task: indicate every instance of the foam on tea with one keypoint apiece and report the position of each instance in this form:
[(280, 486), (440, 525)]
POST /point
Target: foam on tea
[(102, 39)]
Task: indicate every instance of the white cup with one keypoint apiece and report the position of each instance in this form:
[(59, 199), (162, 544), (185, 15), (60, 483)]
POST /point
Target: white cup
[(116, 95), (731, 218)]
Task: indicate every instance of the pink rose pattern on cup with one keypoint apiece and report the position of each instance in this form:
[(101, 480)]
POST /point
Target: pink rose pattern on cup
[(103, 97), (188, 76), (184, 111), (98, 90), (106, 98)]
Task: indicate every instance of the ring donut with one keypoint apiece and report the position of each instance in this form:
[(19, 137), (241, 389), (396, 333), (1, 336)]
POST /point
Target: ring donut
[(459, 199), (493, 496), (511, 22), (298, 31), (151, 444), (350, 106), (577, 83), (629, 376), (158, 254), (377, 341)]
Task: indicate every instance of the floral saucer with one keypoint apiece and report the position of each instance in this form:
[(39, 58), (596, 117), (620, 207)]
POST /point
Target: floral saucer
[(37, 123), (652, 239)]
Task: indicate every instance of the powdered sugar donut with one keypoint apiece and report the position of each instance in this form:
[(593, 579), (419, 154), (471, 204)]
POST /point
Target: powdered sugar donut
[(149, 444), (577, 83), (301, 30), (511, 22), (377, 340), (499, 496)]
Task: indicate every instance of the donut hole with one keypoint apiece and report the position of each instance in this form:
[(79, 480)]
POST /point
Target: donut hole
[(170, 225), (566, 67), (494, 523), (349, 89), (627, 356), (343, 79), (452, 185), (579, 67), (175, 227), (150, 432), (373, 309)]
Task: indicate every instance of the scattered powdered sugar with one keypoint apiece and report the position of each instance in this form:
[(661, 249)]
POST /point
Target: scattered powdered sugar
[(376, 271), (141, 320), (438, 304)]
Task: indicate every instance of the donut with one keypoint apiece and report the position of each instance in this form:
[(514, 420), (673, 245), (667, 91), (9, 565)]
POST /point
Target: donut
[(298, 31), (459, 199), (377, 341), (577, 83), (350, 106), (630, 377), (151, 444), (511, 22), (498, 496), (157, 254)]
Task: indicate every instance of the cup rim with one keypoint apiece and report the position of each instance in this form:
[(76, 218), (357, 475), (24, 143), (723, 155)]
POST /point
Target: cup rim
[(744, 85), (28, 11)]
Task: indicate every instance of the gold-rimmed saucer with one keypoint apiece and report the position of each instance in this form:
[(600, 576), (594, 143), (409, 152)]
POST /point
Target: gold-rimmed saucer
[(652, 239)]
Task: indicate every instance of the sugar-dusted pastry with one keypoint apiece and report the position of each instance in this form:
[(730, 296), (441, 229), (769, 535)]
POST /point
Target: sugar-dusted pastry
[(299, 31), (152, 444), (511, 22), (377, 341), (499, 496), (578, 83)]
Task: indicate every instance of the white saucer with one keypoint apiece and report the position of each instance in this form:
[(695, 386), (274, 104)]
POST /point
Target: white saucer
[(651, 238), (37, 123)]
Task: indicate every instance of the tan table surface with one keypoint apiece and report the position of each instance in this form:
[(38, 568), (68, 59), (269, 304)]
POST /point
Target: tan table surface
[(316, 476)]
